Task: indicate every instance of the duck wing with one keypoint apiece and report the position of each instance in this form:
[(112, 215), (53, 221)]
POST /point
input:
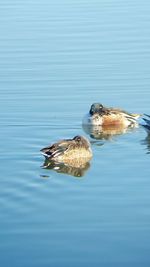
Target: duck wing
[(125, 113), (56, 149)]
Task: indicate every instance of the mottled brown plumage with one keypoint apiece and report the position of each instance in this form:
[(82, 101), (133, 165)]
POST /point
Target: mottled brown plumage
[(69, 150)]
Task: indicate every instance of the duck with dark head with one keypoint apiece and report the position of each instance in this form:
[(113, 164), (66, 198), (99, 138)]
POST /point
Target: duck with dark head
[(102, 121), (101, 115)]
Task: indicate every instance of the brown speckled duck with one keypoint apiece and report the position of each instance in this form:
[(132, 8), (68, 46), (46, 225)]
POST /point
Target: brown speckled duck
[(69, 150)]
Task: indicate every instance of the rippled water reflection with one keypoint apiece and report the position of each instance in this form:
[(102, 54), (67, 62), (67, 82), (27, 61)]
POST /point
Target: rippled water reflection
[(56, 58), (77, 171)]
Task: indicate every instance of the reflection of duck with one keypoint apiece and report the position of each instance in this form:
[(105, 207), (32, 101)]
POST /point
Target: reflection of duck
[(69, 151), (77, 170), (100, 115), (146, 142), (104, 132)]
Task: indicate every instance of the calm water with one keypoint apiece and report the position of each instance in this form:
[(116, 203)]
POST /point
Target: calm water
[(56, 58)]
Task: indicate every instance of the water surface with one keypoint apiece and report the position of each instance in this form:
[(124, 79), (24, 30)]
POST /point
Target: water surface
[(56, 59)]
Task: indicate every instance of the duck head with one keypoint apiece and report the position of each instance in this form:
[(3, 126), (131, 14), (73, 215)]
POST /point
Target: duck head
[(96, 108)]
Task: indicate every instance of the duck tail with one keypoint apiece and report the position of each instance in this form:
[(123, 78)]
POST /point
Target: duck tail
[(46, 152), (136, 116)]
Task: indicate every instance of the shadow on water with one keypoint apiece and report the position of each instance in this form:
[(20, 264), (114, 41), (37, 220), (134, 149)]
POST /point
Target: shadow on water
[(105, 132), (77, 169)]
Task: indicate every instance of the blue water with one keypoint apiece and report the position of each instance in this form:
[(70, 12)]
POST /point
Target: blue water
[(56, 59)]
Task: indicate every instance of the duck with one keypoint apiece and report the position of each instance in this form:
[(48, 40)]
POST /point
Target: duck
[(78, 149), (104, 116)]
